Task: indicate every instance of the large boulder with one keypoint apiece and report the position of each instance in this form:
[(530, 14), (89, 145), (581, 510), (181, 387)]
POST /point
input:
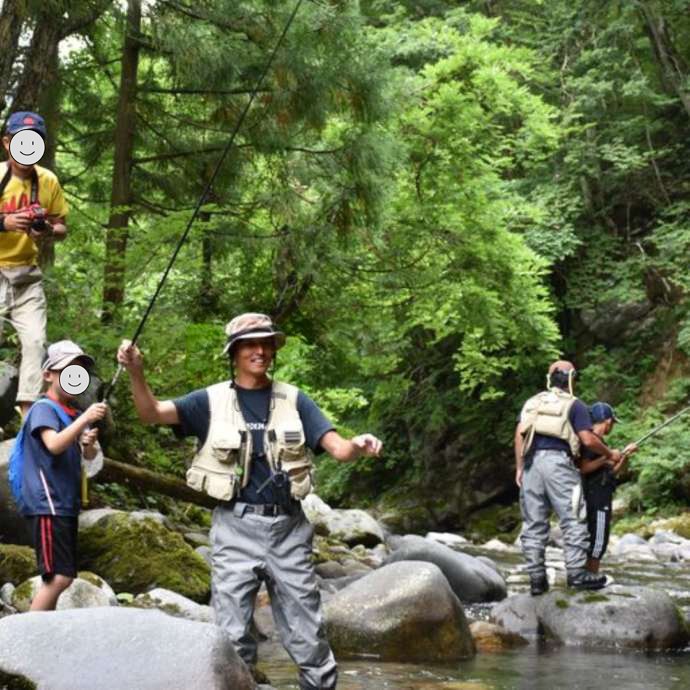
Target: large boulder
[(136, 554), (17, 563), (632, 617), (13, 527), (86, 591), (116, 648), (471, 579), (401, 612), (350, 526)]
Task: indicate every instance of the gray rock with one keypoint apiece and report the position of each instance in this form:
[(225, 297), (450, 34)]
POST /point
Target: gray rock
[(664, 537), (618, 616), (401, 612), (174, 604), (447, 538), (6, 592), (498, 545), (197, 539), (612, 320), (205, 553), (330, 569), (112, 649), (13, 527), (470, 579), (631, 539), (86, 591), (88, 518), (351, 526), (9, 379), (517, 614)]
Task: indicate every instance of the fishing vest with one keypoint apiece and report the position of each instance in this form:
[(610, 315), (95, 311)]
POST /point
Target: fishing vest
[(223, 464), (547, 413)]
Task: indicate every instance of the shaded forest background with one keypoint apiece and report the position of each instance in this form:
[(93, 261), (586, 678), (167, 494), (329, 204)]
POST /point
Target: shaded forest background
[(433, 199)]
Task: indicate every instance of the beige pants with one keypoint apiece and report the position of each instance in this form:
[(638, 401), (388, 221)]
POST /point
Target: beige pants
[(24, 308)]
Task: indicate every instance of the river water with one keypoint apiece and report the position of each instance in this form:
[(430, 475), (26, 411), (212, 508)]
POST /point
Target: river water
[(538, 666)]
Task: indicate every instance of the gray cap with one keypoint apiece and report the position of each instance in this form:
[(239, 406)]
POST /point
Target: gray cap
[(62, 354)]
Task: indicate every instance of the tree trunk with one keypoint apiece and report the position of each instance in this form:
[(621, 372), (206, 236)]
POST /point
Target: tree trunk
[(672, 65), (123, 473), (11, 20), (121, 195)]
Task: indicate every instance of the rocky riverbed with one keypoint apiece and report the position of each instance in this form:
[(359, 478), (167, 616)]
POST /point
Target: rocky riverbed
[(434, 611)]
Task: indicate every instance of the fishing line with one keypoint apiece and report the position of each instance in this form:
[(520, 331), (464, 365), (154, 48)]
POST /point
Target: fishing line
[(206, 191)]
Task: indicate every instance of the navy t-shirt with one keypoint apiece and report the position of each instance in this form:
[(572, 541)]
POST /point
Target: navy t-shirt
[(602, 476), (194, 412), (580, 420), (51, 484)]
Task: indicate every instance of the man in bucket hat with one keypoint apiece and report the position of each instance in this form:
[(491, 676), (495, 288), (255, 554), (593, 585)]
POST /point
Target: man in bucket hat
[(256, 437)]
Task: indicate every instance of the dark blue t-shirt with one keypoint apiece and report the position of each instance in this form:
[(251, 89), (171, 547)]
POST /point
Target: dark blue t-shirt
[(51, 484), (194, 412), (580, 420), (602, 476)]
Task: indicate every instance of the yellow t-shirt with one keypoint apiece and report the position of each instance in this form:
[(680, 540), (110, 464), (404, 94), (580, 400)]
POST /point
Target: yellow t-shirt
[(17, 248)]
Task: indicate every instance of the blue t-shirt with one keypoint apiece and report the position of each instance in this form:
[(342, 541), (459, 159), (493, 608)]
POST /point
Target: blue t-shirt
[(51, 484), (194, 412), (580, 420)]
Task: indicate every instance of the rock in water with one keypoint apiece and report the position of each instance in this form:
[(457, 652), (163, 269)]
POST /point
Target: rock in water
[(633, 617), (470, 579), (13, 527), (118, 649), (401, 612), (489, 637), (136, 554), (517, 614)]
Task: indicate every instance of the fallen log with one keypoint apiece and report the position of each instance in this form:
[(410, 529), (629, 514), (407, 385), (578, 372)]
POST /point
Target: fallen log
[(124, 473)]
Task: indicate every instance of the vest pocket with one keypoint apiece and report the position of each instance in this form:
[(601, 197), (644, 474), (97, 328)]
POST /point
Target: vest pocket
[(220, 486), (227, 450)]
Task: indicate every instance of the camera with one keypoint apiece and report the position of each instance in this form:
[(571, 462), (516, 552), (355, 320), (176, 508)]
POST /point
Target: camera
[(38, 217)]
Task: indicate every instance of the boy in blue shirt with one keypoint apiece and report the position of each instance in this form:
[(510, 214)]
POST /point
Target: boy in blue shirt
[(53, 452)]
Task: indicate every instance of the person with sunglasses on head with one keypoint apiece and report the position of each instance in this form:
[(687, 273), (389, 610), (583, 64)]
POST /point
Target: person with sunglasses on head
[(256, 437), (32, 211), (552, 428), (599, 484)]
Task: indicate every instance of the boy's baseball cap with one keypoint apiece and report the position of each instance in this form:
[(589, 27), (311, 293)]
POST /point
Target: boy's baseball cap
[(26, 120), (62, 354), (602, 411)]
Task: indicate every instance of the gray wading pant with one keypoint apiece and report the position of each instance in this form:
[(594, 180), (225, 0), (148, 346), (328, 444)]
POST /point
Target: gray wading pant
[(548, 484), (248, 549)]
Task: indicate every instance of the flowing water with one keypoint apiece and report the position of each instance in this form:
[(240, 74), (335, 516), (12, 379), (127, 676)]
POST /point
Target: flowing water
[(538, 666)]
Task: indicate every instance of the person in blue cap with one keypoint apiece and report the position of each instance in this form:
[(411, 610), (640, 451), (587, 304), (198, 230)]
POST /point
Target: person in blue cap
[(599, 484), (32, 211)]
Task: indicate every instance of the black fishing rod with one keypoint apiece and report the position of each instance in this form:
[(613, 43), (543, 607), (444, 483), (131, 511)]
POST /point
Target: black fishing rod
[(657, 429), (205, 193)]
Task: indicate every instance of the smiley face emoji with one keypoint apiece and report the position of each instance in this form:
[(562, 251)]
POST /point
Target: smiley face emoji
[(27, 147), (74, 379)]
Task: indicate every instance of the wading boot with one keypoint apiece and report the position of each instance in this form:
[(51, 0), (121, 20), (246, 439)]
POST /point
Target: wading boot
[(583, 579), (538, 584)]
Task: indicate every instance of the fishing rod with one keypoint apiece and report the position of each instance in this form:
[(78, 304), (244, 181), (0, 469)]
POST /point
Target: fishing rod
[(205, 193), (657, 429)]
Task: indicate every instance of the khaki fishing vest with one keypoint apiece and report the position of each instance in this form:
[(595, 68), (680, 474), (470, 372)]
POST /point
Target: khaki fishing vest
[(222, 465), (547, 414)]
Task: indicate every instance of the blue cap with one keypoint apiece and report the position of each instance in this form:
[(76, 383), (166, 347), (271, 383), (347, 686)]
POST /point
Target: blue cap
[(602, 411), (26, 120)]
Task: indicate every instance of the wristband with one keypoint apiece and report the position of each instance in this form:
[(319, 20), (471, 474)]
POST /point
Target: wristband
[(2, 223)]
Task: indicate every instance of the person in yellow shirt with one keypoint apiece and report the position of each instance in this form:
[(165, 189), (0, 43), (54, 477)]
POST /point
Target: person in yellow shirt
[(32, 210)]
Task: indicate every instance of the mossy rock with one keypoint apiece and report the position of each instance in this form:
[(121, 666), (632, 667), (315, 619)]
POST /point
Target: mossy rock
[(10, 681), (680, 524), (138, 555), (17, 563), (503, 522)]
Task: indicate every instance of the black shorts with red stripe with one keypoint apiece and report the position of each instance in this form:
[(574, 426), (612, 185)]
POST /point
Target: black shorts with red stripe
[(55, 543)]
